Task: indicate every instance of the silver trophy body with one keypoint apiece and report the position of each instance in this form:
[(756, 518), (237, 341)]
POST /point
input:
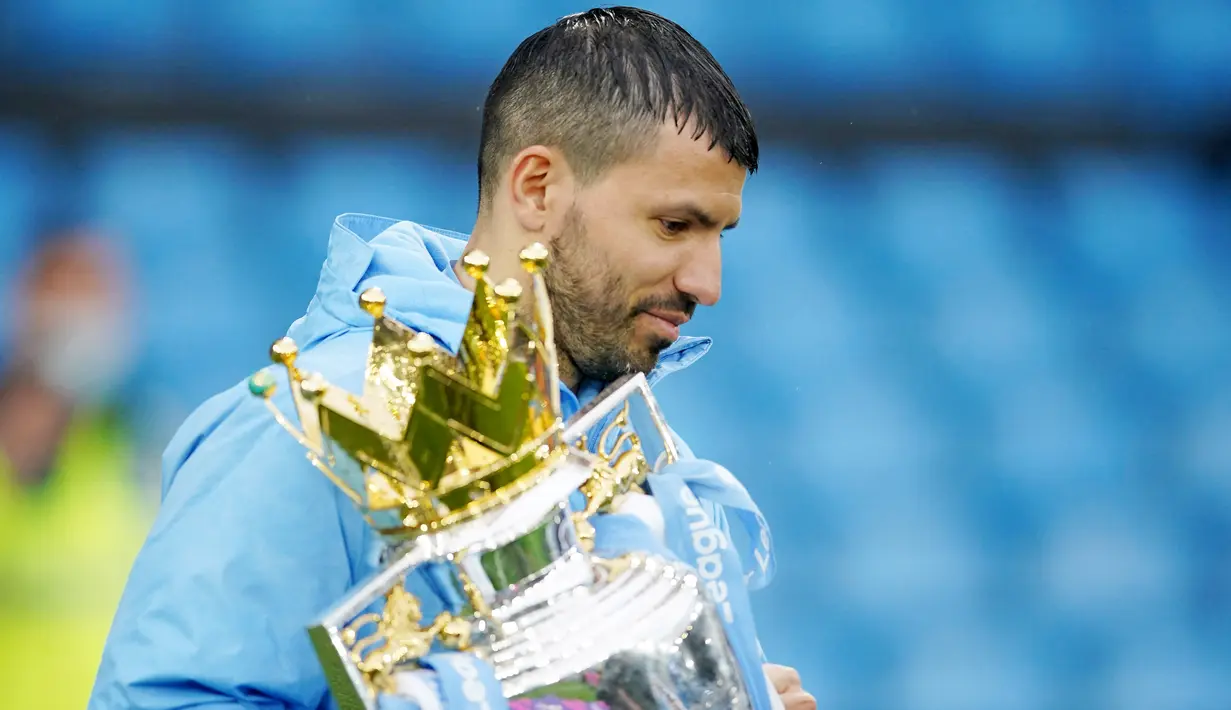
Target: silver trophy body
[(557, 622)]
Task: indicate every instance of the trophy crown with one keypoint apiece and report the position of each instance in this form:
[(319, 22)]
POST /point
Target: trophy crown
[(435, 438)]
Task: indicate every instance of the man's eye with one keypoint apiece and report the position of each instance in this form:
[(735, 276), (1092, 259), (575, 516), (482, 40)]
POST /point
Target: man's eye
[(674, 227)]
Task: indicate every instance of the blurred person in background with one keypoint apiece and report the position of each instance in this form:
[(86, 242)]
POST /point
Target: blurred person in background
[(612, 136), (71, 516)]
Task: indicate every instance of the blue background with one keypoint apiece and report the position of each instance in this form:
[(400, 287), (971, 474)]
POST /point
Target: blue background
[(972, 355)]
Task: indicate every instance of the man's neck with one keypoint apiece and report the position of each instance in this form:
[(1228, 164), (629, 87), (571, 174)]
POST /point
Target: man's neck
[(462, 277), (567, 371), (503, 246)]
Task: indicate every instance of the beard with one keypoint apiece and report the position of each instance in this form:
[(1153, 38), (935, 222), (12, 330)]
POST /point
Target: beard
[(595, 325)]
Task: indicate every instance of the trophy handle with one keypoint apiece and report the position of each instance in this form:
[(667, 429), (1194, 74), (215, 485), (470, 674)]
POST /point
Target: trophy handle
[(620, 467), (359, 664), (398, 637), (645, 414), (624, 457)]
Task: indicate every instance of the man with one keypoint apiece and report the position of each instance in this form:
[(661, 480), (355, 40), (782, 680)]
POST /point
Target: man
[(613, 137), (69, 506)]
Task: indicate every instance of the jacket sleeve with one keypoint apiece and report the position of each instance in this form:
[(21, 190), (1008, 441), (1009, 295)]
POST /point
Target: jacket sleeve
[(250, 545)]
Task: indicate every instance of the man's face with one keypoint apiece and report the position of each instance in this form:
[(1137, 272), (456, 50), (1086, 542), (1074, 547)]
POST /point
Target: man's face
[(74, 320), (639, 249)]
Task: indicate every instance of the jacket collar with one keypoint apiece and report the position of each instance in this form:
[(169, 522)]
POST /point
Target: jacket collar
[(412, 264)]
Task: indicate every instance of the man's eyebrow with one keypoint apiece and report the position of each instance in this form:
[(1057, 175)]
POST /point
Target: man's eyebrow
[(703, 218)]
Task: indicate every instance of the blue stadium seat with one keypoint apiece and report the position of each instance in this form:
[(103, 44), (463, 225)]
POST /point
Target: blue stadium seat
[(974, 664), (324, 177), (945, 215), (374, 46), (847, 48), (246, 42), (1159, 61), (432, 45), (992, 329), (185, 205), (911, 561), (460, 52), (62, 34), (1022, 52), (381, 45), (1204, 450), (868, 429), (1161, 664), (1147, 228), (1132, 218), (1183, 81), (791, 275), (458, 48), (26, 185), (952, 226), (1113, 564), (398, 178), (1219, 229), (1177, 328), (1055, 437)]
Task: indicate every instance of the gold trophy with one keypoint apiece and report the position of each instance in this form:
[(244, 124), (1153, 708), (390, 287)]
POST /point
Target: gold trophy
[(464, 460)]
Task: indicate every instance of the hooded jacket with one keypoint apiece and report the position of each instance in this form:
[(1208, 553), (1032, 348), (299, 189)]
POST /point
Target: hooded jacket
[(251, 542)]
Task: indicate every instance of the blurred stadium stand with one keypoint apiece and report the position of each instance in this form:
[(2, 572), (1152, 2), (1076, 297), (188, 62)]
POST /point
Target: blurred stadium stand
[(23, 184), (981, 387), (1097, 67)]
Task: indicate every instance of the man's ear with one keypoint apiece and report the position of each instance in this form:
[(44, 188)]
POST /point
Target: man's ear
[(541, 187)]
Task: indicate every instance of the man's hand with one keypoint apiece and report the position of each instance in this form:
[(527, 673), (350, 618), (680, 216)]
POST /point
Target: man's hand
[(789, 688)]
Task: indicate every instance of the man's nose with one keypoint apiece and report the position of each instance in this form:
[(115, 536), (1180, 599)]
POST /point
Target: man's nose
[(700, 274)]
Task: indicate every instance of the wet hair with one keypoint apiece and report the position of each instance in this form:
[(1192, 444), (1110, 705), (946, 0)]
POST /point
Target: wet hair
[(598, 84)]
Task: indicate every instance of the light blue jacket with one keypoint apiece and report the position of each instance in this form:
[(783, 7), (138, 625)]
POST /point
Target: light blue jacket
[(252, 543)]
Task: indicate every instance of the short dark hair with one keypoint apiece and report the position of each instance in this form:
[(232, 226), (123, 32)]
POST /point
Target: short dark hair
[(598, 83)]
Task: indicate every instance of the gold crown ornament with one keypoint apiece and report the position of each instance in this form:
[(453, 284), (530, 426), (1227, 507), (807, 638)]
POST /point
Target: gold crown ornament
[(436, 439)]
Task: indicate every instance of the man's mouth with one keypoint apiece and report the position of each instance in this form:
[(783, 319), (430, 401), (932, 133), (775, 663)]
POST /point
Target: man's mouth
[(675, 318), (666, 323)]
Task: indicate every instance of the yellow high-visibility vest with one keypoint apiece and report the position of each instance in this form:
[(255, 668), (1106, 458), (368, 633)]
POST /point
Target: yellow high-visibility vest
[(65, 552)]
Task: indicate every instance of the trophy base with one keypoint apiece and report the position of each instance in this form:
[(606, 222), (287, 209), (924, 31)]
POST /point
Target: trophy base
[(642, 636)]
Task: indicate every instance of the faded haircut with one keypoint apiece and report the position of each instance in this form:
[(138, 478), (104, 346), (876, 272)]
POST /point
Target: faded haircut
[(598, 84)]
